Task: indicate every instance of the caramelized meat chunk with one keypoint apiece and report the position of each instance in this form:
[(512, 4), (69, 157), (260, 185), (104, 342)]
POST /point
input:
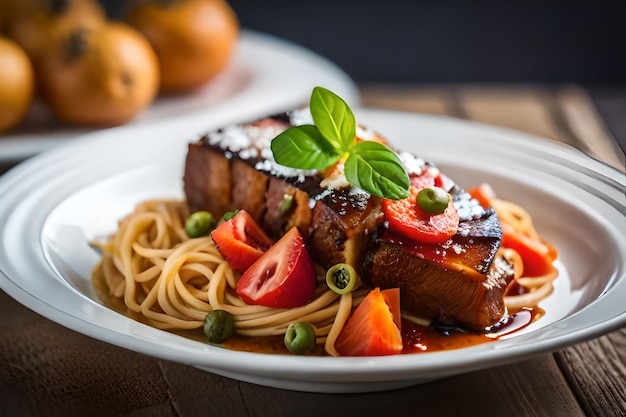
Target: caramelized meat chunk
[(462, 280)]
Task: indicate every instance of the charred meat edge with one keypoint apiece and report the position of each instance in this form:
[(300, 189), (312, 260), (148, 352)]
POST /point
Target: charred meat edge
[(461, 281)]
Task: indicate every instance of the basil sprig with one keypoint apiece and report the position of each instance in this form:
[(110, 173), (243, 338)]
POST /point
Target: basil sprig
[(370, 166)]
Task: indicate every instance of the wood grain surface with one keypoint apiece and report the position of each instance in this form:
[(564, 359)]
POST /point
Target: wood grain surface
[(594, 371), (48, 370)]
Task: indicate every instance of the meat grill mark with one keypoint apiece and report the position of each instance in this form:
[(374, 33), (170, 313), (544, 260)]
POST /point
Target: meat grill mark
[(461, 281)]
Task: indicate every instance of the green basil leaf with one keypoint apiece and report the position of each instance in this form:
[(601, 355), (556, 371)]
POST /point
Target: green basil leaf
[(376, 169), (333, 117), (304, 147)]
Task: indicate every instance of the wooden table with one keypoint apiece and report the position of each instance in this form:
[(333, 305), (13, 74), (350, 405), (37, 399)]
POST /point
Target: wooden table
[(46, 369)]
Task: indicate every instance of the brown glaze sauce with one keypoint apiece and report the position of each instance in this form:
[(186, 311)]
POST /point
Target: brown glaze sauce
[(416, 338), (438, 337)]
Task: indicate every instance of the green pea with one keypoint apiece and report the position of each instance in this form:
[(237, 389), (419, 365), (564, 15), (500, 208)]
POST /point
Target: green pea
[(342, 278), (286, 204), (218, 326), (433, 200), (199, 224), (300, 337)]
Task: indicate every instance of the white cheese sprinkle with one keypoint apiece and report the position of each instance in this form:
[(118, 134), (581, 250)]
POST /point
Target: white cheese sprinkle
[(245, 139), (300, 117), (468, 208), (365, 133), (412, 163)]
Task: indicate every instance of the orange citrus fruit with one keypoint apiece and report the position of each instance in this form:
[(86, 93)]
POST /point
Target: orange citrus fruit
[(36, 24), (193, 39), (100, 77), (17, 87)]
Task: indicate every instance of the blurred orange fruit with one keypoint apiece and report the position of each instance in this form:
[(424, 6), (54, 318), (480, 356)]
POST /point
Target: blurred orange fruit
[(100, 77), (36, 24), (17, 84), (193, 39)]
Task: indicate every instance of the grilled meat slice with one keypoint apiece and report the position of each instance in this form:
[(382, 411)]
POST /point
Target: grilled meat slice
[(207, 182), (462, 280), (337, 224), (286, 206), (342, 226)]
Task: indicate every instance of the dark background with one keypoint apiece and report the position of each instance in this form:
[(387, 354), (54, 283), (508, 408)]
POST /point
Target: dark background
[(455, 41), (449, 41)]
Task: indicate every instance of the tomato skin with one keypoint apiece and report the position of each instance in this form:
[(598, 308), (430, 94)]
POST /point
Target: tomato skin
[(283, 277), (424, 179), (371, 330), (436, 228), (241, 241), (392, 298), (408, 219), (537, 256), (483, 193)]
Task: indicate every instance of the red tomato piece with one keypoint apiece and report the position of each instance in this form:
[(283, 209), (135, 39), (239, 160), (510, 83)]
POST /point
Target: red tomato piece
[(424, 179), (284, 277), (484, 193), (537, 255), (408, 219), (241, 241), (392, 298), (371, 330)]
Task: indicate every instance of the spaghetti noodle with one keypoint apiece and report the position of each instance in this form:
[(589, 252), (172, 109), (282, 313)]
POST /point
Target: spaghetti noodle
[(526, 291), (171, 281)]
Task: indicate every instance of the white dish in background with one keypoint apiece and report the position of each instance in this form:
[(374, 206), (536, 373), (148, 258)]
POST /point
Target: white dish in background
[(54, 203), (266, 74)]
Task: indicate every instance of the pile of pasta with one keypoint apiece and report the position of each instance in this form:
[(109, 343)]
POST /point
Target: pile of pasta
[(525, 291), (172, 281)]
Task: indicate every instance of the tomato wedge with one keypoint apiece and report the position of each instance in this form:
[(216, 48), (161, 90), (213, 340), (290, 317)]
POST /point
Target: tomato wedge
[(283, 277), (424, 179), (405, 217), (372, 329), (241, 241), (483, 193), (537, 255)]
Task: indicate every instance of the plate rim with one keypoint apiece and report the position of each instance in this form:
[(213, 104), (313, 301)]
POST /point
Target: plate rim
[(16, 145)]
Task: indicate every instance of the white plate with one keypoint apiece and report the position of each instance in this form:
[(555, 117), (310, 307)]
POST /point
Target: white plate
[(54, 203), (266, 74)]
